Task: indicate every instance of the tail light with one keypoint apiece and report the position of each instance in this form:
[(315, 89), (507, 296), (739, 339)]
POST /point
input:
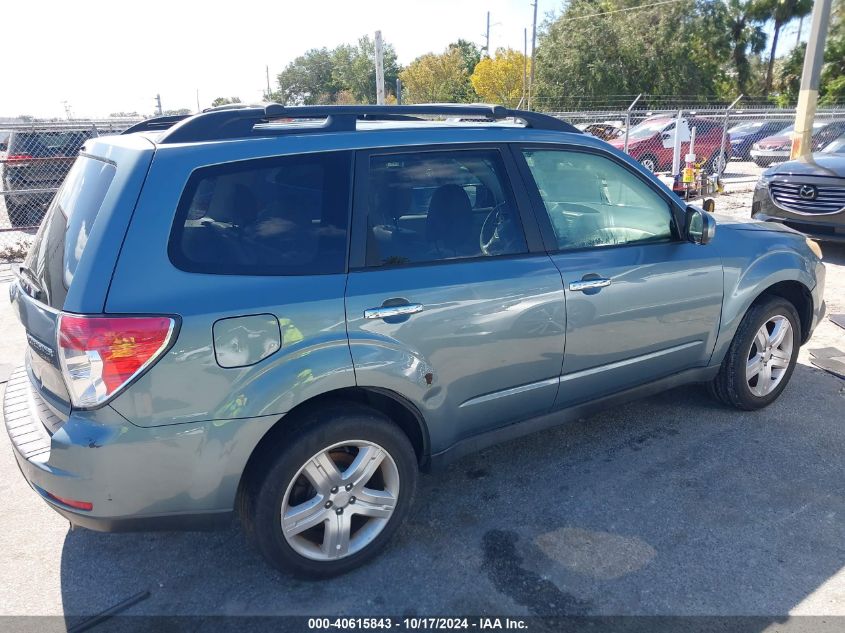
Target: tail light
[(17, 158), (99, 356)]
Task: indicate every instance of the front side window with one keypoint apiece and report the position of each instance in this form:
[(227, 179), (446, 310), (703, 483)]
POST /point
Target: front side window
[(439, 205), (593, 201), (275, 216)]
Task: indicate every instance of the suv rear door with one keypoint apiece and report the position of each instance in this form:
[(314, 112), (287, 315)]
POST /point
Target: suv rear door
[(472, 334)]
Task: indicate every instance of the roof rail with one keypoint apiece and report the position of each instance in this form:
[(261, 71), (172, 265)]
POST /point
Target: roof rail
[(156, 124), (232, 123)]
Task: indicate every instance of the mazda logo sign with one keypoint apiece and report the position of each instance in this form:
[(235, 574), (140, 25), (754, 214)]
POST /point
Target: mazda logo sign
[(808, 192)]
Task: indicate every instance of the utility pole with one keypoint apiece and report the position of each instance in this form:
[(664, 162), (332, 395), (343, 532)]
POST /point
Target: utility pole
[(67, 110), (379, 70), (398, 91), (533, 47), (487, 37), (158, 104), (809, 93), (198, 100), (524, 65), (800, 28), (267, 69)]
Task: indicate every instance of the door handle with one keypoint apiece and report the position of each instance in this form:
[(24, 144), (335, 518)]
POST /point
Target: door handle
[(589, 284), (385, 312)]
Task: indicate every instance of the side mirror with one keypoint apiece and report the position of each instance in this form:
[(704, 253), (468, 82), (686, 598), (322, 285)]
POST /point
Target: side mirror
[(700, 227)]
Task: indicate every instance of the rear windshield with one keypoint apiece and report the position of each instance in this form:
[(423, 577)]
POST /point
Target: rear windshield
[(55, 254), (49, 144)]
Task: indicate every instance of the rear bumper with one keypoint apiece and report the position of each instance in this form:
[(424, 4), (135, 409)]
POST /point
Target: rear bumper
[(176, 477)]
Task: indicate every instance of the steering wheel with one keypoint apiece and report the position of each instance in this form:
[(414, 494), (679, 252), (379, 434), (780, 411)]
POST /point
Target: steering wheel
[(494, 225)]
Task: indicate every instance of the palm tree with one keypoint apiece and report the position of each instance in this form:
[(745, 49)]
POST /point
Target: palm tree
[(746, 36), (782, 12)]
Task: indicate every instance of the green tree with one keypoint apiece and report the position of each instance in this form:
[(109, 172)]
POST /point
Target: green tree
[(744, 23), (354, 69), (325, 76), (308, 79), (588, 54), (782, 12), (177, 111), (219, 101), (788, 76), (433, 78), (498, 79), (471, 55)]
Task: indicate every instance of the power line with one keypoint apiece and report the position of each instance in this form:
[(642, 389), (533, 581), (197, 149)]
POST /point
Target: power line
[(639, 8)]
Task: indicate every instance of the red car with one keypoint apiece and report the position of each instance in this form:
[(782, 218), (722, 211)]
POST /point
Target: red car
[(652, 142)]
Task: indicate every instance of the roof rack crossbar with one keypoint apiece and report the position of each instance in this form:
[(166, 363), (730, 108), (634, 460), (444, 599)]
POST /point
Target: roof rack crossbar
[(241, 122)]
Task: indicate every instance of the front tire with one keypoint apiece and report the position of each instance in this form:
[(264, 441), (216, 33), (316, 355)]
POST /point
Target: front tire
[(717, 163), (329, 499), (762, 356), (649, 161)]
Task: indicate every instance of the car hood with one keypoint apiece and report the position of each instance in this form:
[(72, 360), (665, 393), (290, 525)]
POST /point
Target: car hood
[(819, 164), (730, 223)]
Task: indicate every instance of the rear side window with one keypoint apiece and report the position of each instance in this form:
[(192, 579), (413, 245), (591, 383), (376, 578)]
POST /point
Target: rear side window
[(275, 216)]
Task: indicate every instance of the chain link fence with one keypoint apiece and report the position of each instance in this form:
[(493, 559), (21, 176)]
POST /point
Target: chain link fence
[(736, 145), (35, 157), (697, 151)]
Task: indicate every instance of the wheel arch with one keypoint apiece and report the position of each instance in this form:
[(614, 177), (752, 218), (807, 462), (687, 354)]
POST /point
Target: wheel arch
[(393, 405), (752, 291), (799, 295)]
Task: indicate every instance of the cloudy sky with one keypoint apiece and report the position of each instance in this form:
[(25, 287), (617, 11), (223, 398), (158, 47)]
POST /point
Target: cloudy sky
[(104, 57)]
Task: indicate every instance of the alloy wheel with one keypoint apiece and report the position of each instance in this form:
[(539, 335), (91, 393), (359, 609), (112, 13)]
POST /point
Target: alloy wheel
[(769, 355), (340, 500)]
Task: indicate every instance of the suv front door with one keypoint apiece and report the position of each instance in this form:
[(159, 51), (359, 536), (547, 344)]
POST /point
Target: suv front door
[(451, 299), (641, 303)]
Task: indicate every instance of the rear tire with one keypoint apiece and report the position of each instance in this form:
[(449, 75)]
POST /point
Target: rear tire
[(331, 493), (762, 356)]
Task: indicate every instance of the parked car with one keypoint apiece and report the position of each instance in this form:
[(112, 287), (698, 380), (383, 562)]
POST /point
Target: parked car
[(744, 135), (652, 142), (806, 194), (775, 149), (36, 163), (290, 326), (4, 142), (605, 131)]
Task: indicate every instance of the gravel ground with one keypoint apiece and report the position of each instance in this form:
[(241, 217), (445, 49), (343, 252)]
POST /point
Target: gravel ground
[(671, 505)]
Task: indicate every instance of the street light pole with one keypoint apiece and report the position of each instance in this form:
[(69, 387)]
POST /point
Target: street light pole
[(802, 138)]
